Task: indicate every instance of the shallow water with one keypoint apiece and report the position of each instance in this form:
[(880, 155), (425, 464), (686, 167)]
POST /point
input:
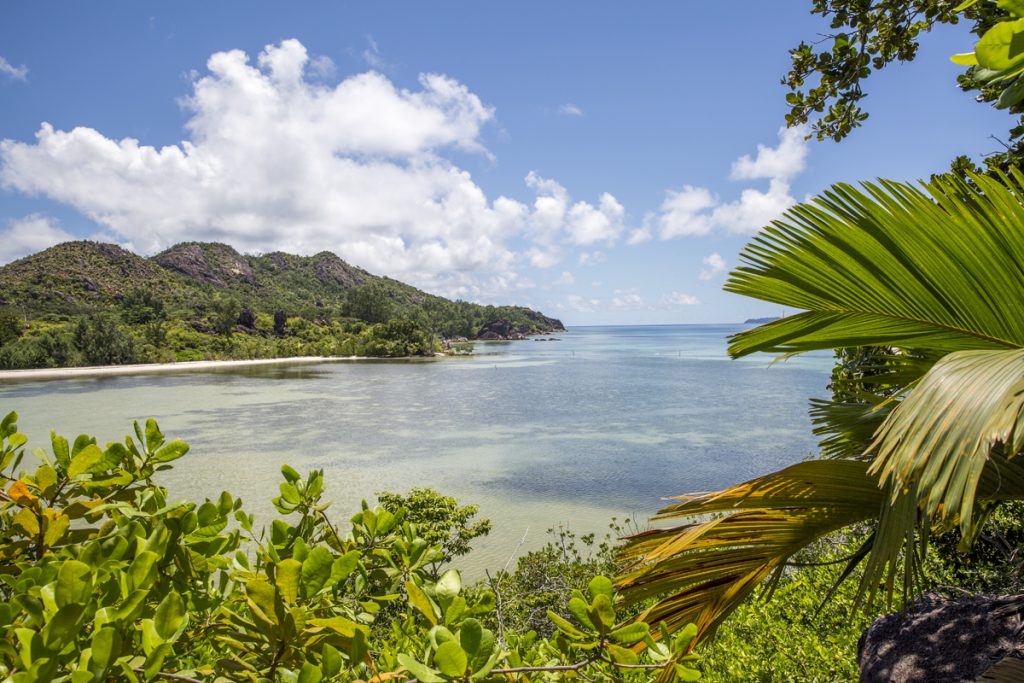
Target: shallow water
[(601, 423)]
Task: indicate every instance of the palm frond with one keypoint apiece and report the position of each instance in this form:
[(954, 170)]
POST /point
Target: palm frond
[(928, 267), (942, 437), (707, 566)]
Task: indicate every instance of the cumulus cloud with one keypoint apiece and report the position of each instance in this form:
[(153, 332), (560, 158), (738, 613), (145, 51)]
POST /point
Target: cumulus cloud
[(781, 163), (18, 73), (696, 211), (627, 300), (566, 278), (715, 266), (582, 304), (592, 258), (277, 159), (570, 109), (28, 235), (680, 299)]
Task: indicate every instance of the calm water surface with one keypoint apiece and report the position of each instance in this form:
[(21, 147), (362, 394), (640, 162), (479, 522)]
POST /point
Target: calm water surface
[(601, 423)]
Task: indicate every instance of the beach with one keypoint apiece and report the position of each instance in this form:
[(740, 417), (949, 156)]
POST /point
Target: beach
[(143, 368)]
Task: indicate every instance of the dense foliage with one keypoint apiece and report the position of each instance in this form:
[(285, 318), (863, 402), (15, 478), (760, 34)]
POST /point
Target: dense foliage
[(103, 578), (84, 303)]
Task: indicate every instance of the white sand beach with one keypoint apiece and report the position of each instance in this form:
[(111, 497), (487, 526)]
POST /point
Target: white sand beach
[(69, 373)]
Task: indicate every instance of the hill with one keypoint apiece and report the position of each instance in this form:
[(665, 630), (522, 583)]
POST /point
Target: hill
[(210, 289)]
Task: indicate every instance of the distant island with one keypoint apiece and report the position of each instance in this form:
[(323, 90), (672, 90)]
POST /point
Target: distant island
[(88, 303), (761, 321)]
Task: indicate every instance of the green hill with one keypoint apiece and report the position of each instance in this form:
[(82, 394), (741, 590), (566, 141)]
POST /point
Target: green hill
[(206, 300)]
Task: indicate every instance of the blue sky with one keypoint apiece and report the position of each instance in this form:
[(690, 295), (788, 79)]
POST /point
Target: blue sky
[(604, 162)]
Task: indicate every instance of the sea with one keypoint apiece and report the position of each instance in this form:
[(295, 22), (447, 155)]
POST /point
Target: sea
[(568, 430)]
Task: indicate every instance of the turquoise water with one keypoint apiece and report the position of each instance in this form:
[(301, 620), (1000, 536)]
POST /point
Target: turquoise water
[(601, 423)]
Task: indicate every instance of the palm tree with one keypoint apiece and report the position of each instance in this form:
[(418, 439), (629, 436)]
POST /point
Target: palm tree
[(927, 436)]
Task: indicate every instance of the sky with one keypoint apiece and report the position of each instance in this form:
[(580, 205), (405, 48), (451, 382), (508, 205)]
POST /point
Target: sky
[(603, 162)]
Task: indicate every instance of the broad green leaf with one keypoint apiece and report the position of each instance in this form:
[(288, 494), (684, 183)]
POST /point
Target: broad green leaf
[(290, 474), (630, 633), (289, 573), (421, 602), (309, 673), (565, 626), (344, 565), (580, 610), (90, 460), (316, 570), (154, 437), (74, 582), (169, 616), (451, 659), (622, 655), (332, 661), (602, 613), (171, 451), (964, 59), (686, 674), (420, 671), (469, 636), (62, 628), (601, 585), (55, 529), (1002, 46), (106, 648), (46, 480), (449, 585)]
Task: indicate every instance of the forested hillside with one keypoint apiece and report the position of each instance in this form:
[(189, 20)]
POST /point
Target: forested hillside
[(88, 303)]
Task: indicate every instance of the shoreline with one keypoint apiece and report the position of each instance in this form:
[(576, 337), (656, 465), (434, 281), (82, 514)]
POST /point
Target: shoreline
[(180, 366)]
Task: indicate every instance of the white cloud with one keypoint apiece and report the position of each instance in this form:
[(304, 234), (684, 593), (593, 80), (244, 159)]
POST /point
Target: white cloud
[(627, 300), (277, 161), (18, 73), (782, 162), (582, 304), (566, 278), (28, 235), (716, 265), (696, 211), (592, 258), (639, 235), (570, 109), (372, 56), (681, 212), (680, 299), (322, 67)]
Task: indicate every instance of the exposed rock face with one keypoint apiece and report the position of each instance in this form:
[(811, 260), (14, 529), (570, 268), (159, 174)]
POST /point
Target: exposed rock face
[(212, 263), (944, 640), (502, 328)]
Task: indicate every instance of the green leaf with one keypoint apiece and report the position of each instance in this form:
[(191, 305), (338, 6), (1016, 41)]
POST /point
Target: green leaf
[(62, 628), (602, 613), (169, 616), (290, 474), (89, 460), (601, 585), (154, 437), (309, 673), (1014, 7), (316, 570), (469, 636), (332, 661), (106, 648), (420, 671), (630, 633), (289, 573), (290, 493), (421, 602), (74, 583), (686, 674), (344, 565), (964, 59), (580, 610), (171, 451), (621, 655), (565, 626), (449, 585), (451, 659)]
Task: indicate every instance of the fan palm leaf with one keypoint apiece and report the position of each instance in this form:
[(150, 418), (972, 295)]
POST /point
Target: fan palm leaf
[(934, 270)]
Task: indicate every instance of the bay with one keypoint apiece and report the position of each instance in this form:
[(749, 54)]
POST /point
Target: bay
[(601, 423)]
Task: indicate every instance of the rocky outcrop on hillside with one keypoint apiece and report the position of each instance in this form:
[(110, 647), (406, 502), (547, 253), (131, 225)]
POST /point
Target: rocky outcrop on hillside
[(207, 262), (504, 329)]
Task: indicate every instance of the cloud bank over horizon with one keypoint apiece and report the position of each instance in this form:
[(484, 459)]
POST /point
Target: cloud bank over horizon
[(280, 155), (277, 160)]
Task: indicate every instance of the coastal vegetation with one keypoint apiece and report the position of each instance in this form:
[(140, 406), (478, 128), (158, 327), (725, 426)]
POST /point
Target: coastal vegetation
[(87, 303)]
